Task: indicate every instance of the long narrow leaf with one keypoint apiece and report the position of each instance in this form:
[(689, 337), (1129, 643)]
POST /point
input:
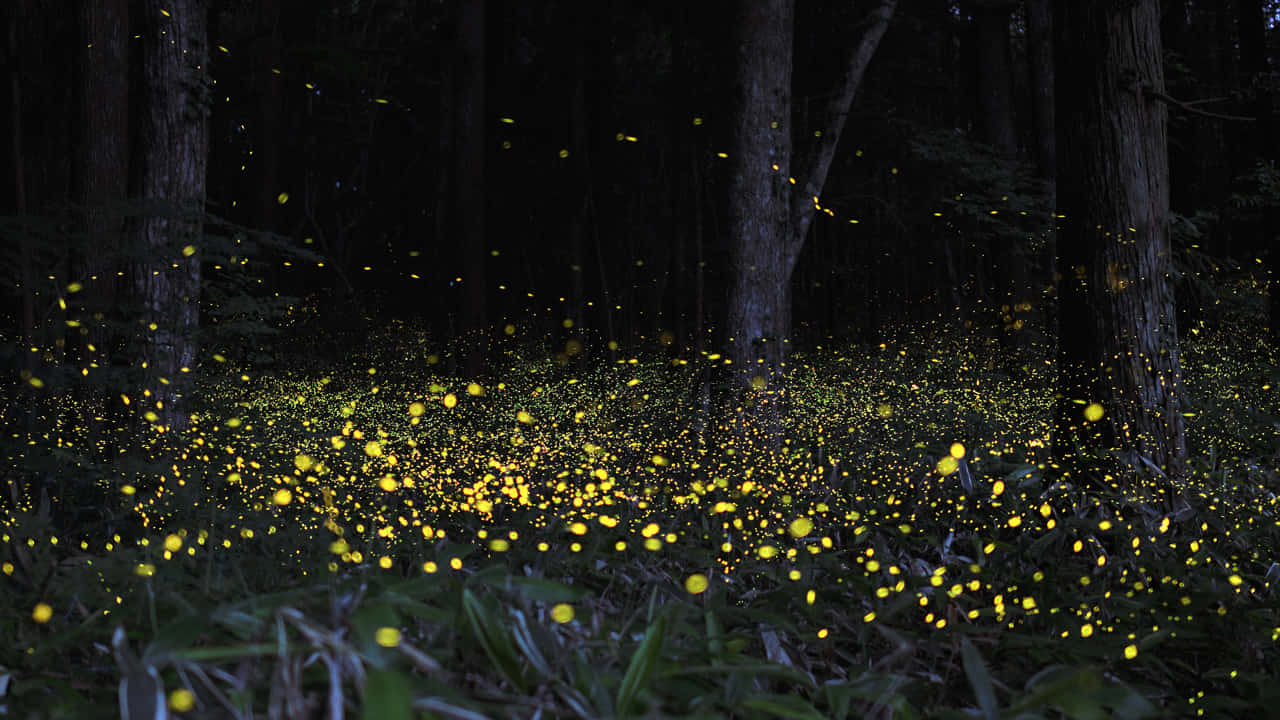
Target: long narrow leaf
[(785, 706), (494, 639), (642, 664), (387, 696), (979, 679)]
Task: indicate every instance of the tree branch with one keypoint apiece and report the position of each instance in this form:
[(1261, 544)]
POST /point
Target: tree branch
[(1189, 106), (819, 159)]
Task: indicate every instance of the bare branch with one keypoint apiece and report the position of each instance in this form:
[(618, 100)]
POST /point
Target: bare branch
[(1189, 106)]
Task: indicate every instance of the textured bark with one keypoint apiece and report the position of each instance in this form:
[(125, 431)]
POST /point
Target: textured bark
[(767, 222), (100, 165), (1118, 342), (173, 152), (759, 321)]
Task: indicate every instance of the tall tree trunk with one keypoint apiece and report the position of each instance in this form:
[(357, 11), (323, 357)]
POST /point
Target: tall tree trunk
[(469, 159), (174, 154), (759, 211), (995, 76), (100, 174), (1040, 70), (99, 183), (1118, 344), (1251, 19), (767, 226), (17, 179), (1009, 257)]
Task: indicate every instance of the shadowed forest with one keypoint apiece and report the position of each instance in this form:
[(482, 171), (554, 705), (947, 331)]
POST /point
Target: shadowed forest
[(760, 358)]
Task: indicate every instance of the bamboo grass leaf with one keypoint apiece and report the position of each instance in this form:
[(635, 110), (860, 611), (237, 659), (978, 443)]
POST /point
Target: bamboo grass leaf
[(643, 662), (979, 680), (494, 639)]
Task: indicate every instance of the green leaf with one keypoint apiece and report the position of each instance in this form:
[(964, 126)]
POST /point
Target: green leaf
[(979, 679), (642, 665), (493, 637), (365, 624), (787, 706), (387, 696), (715, 636), (543, 590), (523, 636)]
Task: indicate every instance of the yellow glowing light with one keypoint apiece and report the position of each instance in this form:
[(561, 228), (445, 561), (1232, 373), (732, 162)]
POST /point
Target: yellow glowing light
[(562, 613), (696, 584), (800, 527), (182, 700), (387, 637), (41, 613)]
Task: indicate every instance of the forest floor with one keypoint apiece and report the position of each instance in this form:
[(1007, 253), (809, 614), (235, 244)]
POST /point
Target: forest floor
[(578, 538)]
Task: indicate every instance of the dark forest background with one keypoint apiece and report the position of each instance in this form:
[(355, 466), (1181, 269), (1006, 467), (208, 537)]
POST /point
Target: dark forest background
[(215, 174)]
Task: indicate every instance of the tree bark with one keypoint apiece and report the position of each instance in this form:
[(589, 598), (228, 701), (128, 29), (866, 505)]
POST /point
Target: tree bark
[(174, 153), (100, 173), (759, 210), (767, 222), (1118, 344)]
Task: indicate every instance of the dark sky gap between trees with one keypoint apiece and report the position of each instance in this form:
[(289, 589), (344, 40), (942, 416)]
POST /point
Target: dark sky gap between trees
[(733, 177)]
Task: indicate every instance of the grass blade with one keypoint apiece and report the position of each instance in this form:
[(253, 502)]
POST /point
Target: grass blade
[(784, 706), (494, 639), (979, 679), (642, 665)]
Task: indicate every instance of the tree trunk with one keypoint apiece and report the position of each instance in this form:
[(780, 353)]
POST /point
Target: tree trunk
[(1251, 18), (1118, 344), (1040, 70), (100, 174), (759, 212), (767, 226), (995, 77), (469, 158), (174, 153)]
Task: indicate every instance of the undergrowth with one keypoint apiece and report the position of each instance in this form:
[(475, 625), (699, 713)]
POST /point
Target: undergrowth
[(575, 537)]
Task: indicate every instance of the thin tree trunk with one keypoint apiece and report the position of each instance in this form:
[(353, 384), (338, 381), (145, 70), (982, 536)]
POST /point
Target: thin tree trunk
[(174, 154), (469, 157), (1118, 345)]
